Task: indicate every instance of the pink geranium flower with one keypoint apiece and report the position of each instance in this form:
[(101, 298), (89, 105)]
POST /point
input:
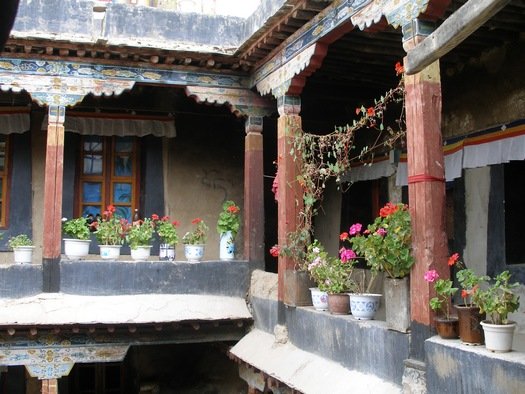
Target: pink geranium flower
[(431, 276), (355, 229)]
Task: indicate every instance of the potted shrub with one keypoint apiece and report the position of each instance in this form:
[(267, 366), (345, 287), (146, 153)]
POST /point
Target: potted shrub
[(22, 247), (139, 236), (446, 324), (469, 315), (111, 233), (76, 246), (167, 232), (228, 226), (386, 245), (497, 300), (194, 241)]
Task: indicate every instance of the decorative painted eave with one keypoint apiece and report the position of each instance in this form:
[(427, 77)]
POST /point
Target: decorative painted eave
[(242, 102), (67, 83), (275, 75)]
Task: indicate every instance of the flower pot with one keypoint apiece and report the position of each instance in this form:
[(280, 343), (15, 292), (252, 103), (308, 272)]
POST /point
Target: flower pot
[(109, 252), (498, 337), (166, 252), (364, 306), (339, 304), (297, 288), (447, 328), (397, 303), (76, 249), (141, 252), (194, 253), (226, 246), (470, 331), (23, 254), (319, 299)]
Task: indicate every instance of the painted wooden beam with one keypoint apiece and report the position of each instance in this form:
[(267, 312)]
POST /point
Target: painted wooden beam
[(454, 30)]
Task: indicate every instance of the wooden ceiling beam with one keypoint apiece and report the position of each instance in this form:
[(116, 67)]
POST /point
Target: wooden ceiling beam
[(454, 30)]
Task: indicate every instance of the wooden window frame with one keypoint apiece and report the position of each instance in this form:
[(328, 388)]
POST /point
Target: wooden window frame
[(107, 178)]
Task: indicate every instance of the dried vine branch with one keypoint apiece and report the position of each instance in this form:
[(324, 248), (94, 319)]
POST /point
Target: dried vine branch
[(330, 156)]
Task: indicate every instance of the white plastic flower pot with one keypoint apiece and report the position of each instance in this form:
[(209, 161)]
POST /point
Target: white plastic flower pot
[(141, 253), (23, 254), (109, 252), (76, 249), (498, 337)]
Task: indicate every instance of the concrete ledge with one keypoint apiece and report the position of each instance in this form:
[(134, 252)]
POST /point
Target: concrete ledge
[(49, 309), (102, 277), (364, 346), (453, 367), (304, 371), (20, 280)]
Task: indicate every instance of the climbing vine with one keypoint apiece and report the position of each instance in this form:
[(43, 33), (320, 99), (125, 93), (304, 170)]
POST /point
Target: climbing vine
[(330, 156)]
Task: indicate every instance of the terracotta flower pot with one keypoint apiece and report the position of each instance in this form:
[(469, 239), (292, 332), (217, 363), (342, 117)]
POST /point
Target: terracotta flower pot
[(470, 330), (447, 328), (339, 304)]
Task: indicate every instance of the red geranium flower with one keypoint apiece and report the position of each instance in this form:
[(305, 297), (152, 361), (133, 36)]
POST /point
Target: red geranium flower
[(453, 259), (371, 111), (399, 68), (196, 221), (154, 217), (343, 236), (274, 250)]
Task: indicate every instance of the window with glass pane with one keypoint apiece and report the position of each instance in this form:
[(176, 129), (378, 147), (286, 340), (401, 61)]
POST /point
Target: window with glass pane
[(3, 178), (108, 175)]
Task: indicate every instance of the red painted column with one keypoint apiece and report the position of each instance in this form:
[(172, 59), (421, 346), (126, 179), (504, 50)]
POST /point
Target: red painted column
[(426, 190), (254, 192), (289, 194), (53, 182)]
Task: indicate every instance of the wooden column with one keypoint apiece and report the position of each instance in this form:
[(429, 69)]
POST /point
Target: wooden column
[(49, 386), (289, 195), (254, 192), (53, 196), (426, 191)]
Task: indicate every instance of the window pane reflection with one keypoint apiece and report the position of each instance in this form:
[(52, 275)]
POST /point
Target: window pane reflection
[(92, 192)]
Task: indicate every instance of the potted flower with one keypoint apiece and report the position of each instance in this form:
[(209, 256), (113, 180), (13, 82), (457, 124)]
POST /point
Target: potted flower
[(76, 246), (22, 247), (110, 232), (446, 324), (386, 245), (497, 300), (139, 236), (167, 232), (469, 315), (228, 226), (334, 276), (195, 240), (317, 257)]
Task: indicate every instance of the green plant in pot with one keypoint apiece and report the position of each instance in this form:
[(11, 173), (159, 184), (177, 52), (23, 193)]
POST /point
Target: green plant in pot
[(76, 237), (469, 316), (140, 233), (169, 237), (77, 228), (19, 240), (194, 241), (446, 324), (228, 225), (497, 300), (386, 244), (22, 247), (111, 233)]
